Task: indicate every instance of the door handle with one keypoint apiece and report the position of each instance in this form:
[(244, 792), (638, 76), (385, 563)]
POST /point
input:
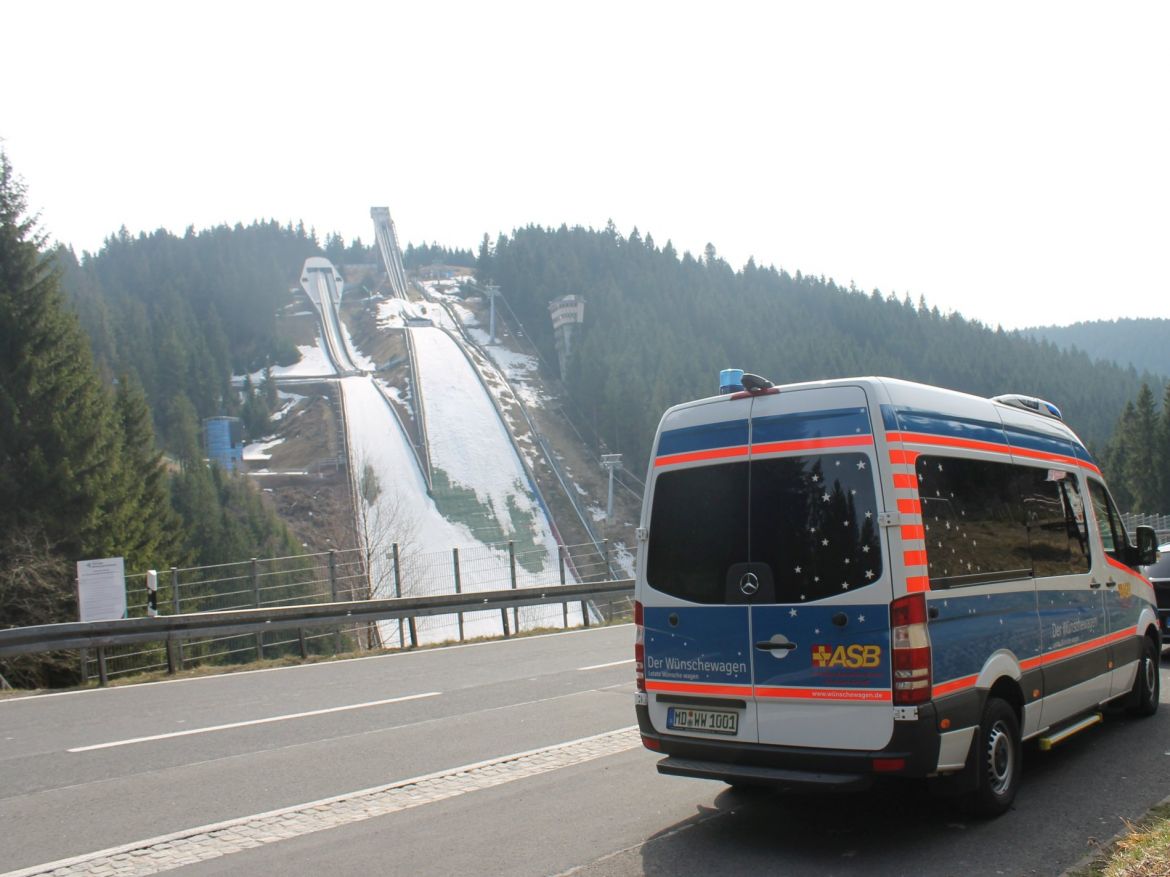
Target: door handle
[(769, 646), (1094, 584), (1110, 583)]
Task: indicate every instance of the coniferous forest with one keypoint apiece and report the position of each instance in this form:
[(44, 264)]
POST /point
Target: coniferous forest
[(659, 327)]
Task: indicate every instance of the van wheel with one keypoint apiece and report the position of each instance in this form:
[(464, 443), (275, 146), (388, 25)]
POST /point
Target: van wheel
[(998, 760), (1147, 687)]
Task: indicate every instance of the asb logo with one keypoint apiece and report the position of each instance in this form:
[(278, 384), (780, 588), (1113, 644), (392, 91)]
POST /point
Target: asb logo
[(852, 657)]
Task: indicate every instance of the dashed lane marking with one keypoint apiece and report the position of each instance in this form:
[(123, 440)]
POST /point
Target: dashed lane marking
[(189, 731), (206, 842), (610, 664)]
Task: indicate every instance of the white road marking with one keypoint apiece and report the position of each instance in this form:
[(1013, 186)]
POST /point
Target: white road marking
[(390, 654), (285, 718), (206, 842), (610, 664)]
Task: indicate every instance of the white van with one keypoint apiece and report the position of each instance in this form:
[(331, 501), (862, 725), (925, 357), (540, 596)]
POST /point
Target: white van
[(850, 579)]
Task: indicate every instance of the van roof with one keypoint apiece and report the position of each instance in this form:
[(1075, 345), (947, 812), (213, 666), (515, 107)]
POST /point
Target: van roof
[(900, 400)]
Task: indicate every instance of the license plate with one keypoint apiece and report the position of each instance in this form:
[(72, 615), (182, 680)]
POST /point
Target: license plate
[(707, 721)]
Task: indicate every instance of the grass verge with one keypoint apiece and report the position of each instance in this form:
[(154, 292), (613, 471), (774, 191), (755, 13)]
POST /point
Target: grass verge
[(1143, 851)]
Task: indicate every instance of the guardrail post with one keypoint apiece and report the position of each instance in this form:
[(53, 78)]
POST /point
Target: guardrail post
[(178, 657), (301, 640), (171, 662), (608, 567), (103, 676), (512, 568), (561, 562), (458, 586), (256, 603), (333, 595)]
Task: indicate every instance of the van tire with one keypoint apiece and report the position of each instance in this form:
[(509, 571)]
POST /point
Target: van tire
[(1147, 687), (998, 761)]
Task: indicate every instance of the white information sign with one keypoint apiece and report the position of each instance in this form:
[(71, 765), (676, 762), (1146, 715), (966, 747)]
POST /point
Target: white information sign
[(101, 589)]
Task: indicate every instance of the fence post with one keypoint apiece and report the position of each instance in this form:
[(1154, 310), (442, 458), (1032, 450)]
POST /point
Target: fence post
[(458, 587), (333, 596), (398, 593), (512, 572), (256, 603), (561, 561), (178, 659)]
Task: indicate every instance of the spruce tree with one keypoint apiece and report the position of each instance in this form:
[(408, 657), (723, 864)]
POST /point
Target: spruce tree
[(58, 443)]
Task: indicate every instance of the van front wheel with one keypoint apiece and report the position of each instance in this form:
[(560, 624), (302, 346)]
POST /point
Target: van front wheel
[(998, 762)]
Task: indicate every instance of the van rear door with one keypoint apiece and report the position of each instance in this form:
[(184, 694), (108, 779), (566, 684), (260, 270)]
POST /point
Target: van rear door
[(697, 636), (820, 620)]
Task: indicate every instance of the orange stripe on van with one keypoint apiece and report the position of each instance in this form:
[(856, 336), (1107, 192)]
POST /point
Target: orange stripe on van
[(844, 441), (910, 506), (923, 438), (917, 584), (697, 456), (913, 533), (903, 458), (699, 688), (953, 686), (914, 558), (907, 481), (880, 695)]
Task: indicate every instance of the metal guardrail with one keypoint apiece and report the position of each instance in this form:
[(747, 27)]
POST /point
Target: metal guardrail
[(176, 628)]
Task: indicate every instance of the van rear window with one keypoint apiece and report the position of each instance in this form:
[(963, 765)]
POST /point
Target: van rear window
[(811, 520)]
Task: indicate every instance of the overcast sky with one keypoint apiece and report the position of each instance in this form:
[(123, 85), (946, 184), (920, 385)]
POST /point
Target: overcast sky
[(1005, 160)]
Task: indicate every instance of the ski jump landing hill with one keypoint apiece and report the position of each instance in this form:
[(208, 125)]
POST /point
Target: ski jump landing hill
[(466, 487)]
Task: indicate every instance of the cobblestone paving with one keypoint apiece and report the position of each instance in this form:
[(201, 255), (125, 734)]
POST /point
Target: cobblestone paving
[(222, 839)]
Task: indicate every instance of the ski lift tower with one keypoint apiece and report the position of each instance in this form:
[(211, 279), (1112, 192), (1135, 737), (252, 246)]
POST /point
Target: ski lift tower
[(610, 462), (567, 312), (492, 291)]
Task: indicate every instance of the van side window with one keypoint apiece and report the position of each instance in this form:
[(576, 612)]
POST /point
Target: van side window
[(1109, 525), (992, 522), (974, 523), (1055, 515)]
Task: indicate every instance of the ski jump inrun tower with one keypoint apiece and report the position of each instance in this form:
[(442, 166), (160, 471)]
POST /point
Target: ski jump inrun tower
[(391, 254)]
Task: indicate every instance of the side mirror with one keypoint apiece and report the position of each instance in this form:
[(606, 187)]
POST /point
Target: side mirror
[(1147, 545)]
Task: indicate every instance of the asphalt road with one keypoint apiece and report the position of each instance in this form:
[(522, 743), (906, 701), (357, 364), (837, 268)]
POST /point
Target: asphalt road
[(96, 770)]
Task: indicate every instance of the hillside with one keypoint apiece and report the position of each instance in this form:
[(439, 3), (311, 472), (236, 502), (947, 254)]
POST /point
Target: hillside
[(1141, 343), (659, 327)]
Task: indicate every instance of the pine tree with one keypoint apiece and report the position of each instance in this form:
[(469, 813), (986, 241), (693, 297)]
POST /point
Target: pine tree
[(142, 522), (58, 443)]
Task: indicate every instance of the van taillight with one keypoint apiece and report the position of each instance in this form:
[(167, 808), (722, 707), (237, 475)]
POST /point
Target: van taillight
[(911, 650), (639, 648)]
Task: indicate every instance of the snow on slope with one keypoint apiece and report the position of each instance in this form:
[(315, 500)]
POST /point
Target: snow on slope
[(471, 445)]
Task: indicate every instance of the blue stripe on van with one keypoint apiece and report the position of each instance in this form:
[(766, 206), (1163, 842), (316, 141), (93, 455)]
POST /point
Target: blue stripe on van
[(1035, 441), (810, 424), (933, 423), (725, 434), (890, 419)]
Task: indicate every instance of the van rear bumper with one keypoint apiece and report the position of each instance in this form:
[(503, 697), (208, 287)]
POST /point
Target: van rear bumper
[(747, 774), (915, 744)]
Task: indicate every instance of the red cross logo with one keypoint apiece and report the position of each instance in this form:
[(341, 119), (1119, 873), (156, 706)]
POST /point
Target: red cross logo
[(821, 655)]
